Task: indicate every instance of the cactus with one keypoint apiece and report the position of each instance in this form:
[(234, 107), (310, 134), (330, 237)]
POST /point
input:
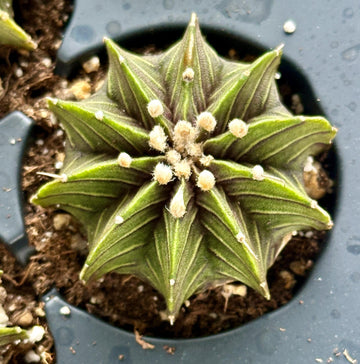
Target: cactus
[(10, 33), (10, 334), (186, 169)]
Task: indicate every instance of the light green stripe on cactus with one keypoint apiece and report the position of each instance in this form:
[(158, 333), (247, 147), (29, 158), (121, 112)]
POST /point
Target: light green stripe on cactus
[(110, 132), (207, 185), (190, 96), (179, 251), (238, 95), (273, 141), (126, 230), (133, 86)]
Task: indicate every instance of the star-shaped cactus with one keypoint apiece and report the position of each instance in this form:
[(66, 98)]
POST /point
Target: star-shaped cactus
[(186, 169)]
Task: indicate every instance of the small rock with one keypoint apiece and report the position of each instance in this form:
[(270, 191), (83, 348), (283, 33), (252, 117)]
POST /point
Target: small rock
[(46, 62), (32, 357), (91, 65), (61, 221), (288, 278), (315, 179), (39, 311), (4, 319), (78, 243), (23, 318), (296, 104), (81, 89), (298, 267), (19, 72)]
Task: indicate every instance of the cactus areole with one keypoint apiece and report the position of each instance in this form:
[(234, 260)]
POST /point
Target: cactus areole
[(186, 170)]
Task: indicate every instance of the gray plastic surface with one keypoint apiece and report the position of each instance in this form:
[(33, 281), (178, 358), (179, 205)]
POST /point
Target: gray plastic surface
[(14, 130)]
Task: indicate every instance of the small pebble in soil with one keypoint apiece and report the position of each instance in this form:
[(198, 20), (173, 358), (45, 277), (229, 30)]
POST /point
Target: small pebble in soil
[(19, 72), (81, 89), (39, 311), (78, 243), (289, 26), (59, 165), (3, 317), (32, 357), (61, 221), (65, 311), (91, 65), (46, 62), (288, 279), (23, 318)]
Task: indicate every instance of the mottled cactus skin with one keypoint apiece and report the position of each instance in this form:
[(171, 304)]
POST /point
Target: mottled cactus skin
[(186, 169), (10, 33)]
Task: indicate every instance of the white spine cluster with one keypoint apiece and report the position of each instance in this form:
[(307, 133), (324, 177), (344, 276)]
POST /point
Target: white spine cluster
[(119, 219), (99, 115), (194, 149), (182, 169), (155, 108), (184, 133), (238, 128), (162, 173), (258, 173), (206, 121), (240, 237), (158, 138), (177, 206), (124, 160), (188, 74), (172, 156), (205, 160), (206, 180)]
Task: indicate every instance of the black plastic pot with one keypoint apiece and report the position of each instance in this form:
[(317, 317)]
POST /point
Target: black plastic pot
[(325, 50)]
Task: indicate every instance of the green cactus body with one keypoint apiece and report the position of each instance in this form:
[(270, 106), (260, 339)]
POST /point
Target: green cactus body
[(186, 169), (10, 33), (9, 335)]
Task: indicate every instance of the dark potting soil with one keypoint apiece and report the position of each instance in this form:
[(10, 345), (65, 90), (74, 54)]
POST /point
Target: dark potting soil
[(60, 244)]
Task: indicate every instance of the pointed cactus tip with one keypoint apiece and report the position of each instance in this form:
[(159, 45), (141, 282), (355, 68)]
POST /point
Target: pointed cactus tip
[(52, 100), (193, 19), (171, 319)]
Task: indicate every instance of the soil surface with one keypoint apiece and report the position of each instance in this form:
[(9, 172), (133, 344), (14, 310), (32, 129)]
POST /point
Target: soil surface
[(60, 245)]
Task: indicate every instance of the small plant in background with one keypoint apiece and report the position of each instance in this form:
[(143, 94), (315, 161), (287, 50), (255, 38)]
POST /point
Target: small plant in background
[(10, 33), (186, 169)]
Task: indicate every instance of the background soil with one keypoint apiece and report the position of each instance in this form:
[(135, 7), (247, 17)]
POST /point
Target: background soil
[(124, 301)]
